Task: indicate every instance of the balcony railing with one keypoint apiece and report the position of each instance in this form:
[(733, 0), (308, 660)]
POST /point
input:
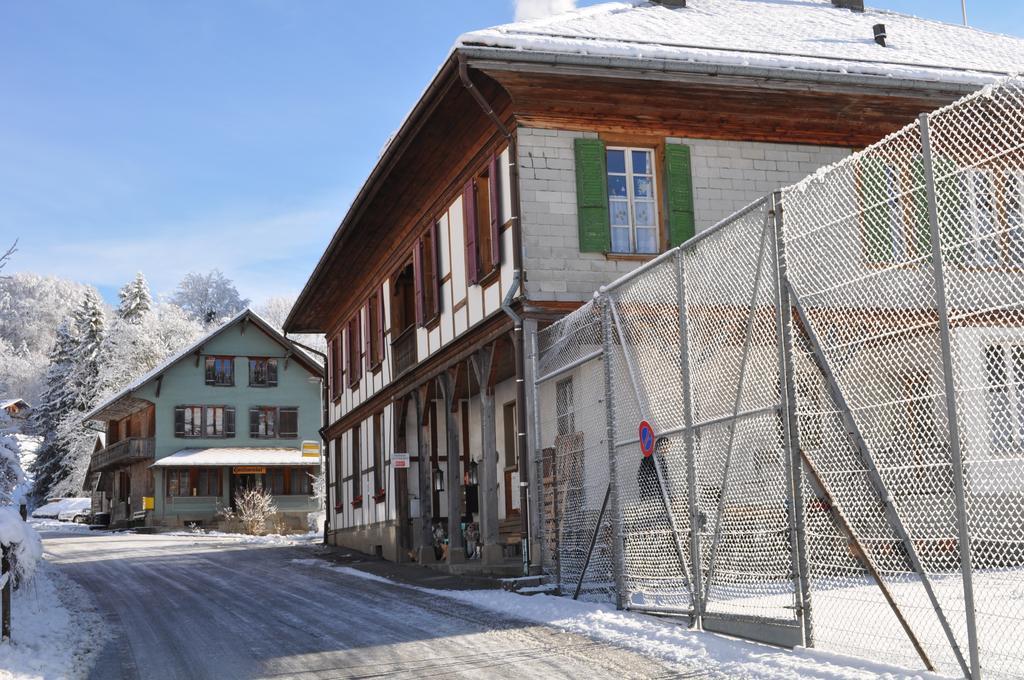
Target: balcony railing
[(403, 352), (124, 452)]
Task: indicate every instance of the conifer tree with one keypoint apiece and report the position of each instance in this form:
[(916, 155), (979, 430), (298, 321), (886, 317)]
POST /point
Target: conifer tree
[(135, 299)]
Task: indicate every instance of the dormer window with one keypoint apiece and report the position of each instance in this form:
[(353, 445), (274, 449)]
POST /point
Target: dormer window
[(262, 372), (220, 371)]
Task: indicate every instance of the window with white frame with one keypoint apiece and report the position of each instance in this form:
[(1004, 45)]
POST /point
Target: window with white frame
[(632, 200), (564, 407), (1004, 369), (897, 221), (193, 421), (1014, 206), (982, 218)]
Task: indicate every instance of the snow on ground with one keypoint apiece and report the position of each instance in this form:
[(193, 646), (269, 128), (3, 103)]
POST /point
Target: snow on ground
[(269, 539), (53, 525), (659, 638), (53, 509), (54, 626)]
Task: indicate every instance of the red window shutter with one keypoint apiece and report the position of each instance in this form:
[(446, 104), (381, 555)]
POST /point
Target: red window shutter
[(435, 279), (469, 221), (339, 366), (347, 348), (494, 200), (330, 367), (357, 363), (380, 326), (367, 342), (417, 278)]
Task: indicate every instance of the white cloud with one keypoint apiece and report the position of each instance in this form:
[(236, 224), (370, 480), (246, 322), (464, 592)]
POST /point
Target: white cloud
[(538, 9), (265, 255)]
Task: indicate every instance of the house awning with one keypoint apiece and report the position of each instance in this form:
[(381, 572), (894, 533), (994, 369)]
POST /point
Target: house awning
[(218, 457)]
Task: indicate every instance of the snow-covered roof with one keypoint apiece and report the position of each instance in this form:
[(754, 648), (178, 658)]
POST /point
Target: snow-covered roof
[(6, 402), (795, 35), (236, 456), (157, 370)]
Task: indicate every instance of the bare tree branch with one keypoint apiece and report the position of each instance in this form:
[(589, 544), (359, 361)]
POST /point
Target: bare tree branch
[(5, 258)]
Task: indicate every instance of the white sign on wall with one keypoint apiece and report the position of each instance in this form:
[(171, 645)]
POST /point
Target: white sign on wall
[(400, 461)]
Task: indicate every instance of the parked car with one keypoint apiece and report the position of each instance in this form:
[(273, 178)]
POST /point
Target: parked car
[(65, 509)]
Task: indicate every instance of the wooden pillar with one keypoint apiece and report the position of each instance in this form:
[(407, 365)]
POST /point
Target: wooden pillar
[(456, 551), (424, 537), (400, 409), (483, 362)]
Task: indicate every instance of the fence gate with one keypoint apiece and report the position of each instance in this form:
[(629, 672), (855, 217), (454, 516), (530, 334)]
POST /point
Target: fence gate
[(835, 379)]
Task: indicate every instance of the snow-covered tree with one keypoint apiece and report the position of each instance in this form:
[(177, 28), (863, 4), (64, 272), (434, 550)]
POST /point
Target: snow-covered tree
[(135, 347), (32, 307), (135, 299), (56, 404), (208, 298), (12, 477)]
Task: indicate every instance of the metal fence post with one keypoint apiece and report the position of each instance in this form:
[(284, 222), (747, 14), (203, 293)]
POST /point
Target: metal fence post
[(956, 454), (618, 548), (688, 437), (790, 428)]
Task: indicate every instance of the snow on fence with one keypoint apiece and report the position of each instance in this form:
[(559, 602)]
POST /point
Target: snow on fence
[(835, 378)]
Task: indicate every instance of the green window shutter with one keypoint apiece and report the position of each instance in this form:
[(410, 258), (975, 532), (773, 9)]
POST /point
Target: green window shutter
[(950, 198), (679, 188), (873, 190), (921, 226), (592, 196)]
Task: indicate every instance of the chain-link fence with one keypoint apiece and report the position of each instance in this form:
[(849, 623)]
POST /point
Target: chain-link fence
[(834, 378)]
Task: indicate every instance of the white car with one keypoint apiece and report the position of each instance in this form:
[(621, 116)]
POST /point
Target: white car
[(76, 515), (65, 509)]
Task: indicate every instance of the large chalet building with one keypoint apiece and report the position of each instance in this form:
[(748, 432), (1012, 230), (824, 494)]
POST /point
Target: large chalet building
[(546, 158)]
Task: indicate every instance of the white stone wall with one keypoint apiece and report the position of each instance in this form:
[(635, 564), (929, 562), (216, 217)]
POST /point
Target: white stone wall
[(726, 177)]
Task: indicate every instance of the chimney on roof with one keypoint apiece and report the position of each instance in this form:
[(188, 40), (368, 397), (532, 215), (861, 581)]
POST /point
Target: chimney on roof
[(671, 4), (854, 5), (880, 36)]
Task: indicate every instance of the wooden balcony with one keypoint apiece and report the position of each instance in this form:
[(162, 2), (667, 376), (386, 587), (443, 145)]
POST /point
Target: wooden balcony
[(124, 452), (403, 352)]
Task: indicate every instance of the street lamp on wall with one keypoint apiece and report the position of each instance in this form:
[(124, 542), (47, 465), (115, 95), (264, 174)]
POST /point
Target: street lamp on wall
[(438, 479), (473, 475)]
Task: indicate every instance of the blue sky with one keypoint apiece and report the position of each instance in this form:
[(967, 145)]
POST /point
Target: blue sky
[(187, 135)]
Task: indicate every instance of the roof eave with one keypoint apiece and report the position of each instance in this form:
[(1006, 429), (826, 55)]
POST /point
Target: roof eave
[(490, 58)]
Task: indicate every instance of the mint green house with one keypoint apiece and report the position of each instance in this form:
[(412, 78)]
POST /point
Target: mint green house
[(230, 412)]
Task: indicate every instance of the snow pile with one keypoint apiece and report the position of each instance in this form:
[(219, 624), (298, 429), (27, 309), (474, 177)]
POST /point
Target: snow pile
[(775, 34), (28, 549), (54, 630), (716, 654), (268, 539), (54, 509)]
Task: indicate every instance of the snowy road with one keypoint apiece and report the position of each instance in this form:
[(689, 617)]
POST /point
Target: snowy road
[(202, 607)]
